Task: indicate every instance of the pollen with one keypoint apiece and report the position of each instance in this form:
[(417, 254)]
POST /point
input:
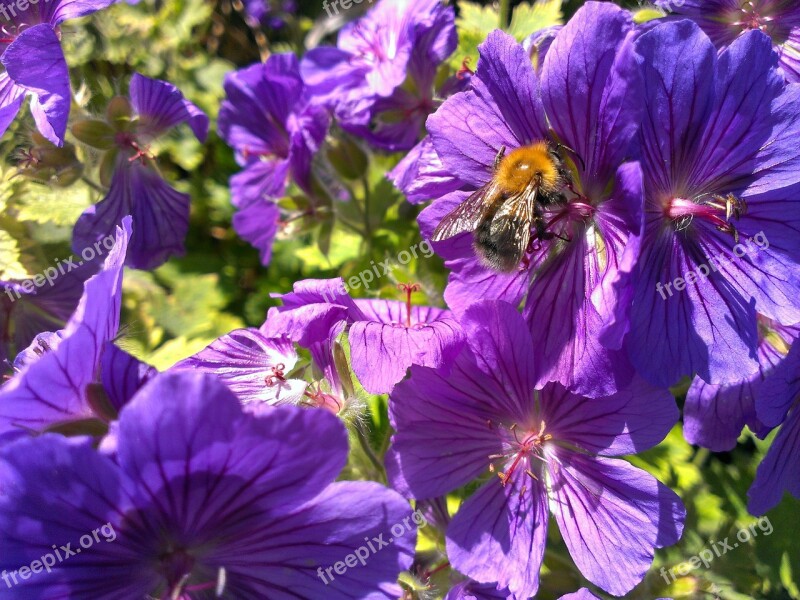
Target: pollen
[(526, 166)]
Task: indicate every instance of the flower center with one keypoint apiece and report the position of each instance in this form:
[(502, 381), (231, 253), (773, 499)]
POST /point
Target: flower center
[(519, 450), (178, 567), (276, 375), (718, 210), (127, 141), (753, 14)]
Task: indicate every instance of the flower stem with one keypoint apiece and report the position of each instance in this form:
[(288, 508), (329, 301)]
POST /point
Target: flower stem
[(505, 11)]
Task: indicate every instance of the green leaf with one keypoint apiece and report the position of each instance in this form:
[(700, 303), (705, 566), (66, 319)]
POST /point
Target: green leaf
[(528, 18), (10, 255)]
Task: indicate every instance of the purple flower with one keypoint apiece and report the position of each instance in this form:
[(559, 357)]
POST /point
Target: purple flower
[(265, 12), (30, 51), (372, 54), (394, 122), (548, 450), (253, 366), (578, 278), (160, 213), (57, 388), (27, 310), (269, 120), (721, 225), (725, 20), (779, 404), (202, 500), (386, 337), (714, 415)]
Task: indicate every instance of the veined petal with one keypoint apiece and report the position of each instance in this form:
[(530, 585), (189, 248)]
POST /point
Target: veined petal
[(36, 63), (160, 216), (161, 106), (208, 432), (443, 436), (284, 557), (122, 375), (388, 341), (257, 222), (632, 420), (779, 472), (52, 390), (251, 365), (499, 534), (612, 517), (592, 90)]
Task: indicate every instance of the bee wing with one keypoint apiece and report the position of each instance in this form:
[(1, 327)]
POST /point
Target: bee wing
[(467, 215), (509, 232)]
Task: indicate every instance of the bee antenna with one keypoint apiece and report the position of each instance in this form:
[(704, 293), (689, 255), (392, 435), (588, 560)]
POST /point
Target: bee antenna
[(573, 152)]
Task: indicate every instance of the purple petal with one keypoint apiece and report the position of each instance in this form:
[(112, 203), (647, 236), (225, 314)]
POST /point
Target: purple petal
[(52, 390), (499, 535), (591, 90), (160, 216), (421, 175), (35, 62), (706, 328), (503, 108), (257, 221), (678, 62), (284, 560), (502, 346), (389, 341), (247, 363), (161, 106), (631, 421), (443, 438), (208, 431), (612, 517), (780, 390), (56, 12), (55, 491), (11, 97), (779, 472), (123, 375)]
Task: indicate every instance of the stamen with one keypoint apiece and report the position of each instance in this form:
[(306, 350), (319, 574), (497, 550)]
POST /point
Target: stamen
[(718, 211), (408, 289), (276, 375), (465, 69)]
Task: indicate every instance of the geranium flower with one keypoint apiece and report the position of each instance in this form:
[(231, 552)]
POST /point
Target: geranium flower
[(546, 450), (203, 500), (252, 365), (55, 388), (588, 97), (386, 337), (725, 20), (721, 234), (160, 213), (714, 415), (30, 51), (395, 122), (27, 310), (778, 404), (269, 120)]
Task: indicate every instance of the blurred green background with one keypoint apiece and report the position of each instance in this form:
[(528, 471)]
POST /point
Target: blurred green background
[(220, 285)]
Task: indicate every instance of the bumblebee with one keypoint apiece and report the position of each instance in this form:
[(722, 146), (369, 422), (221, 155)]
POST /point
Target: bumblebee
[(504, 213)]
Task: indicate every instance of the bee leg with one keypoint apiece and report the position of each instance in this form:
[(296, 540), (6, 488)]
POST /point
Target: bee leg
[(499, 157)]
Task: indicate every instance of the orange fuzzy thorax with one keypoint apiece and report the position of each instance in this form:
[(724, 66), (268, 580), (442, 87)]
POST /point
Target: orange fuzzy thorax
[(526, 165)]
